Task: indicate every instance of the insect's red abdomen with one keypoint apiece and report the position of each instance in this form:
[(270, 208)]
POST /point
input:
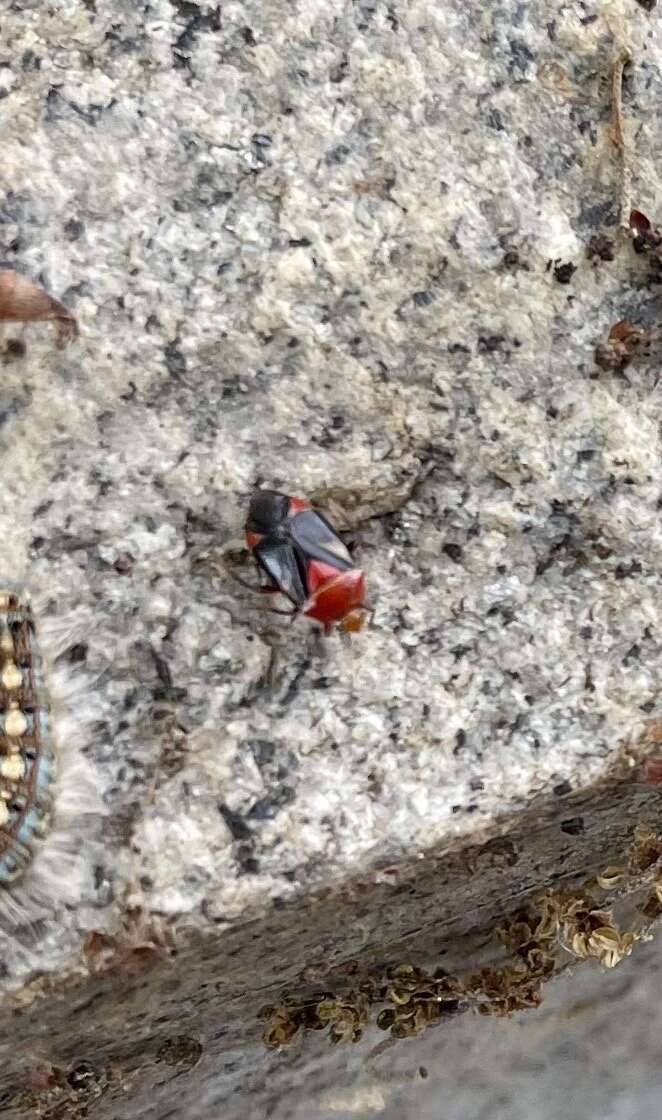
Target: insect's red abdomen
[(319, 573), (337, 597)]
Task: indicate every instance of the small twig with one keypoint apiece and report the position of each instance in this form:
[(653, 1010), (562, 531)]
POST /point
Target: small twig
[(619, 138)]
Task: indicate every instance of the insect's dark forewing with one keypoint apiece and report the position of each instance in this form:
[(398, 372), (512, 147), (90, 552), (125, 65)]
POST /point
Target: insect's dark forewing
[(267, 511), (278, 558), (318, 540)]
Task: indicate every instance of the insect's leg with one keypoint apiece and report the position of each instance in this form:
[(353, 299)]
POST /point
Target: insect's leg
[(260, 589), (66, 326), (269, 588), (343, 520), (265, 589), (369, 610)]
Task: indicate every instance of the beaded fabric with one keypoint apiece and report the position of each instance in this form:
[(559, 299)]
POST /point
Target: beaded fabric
[(27, 753)]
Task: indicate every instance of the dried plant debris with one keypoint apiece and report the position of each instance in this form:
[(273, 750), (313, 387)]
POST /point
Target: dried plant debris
[(586, 931), (646, 850), (415, 1000), (418, 999), (648, 857), (141, 942), (53, 1093), (23, 301), (541, 939), (513, 987), (182, 1050), (611, 878), (104, 952), (344, 1017), (624, 341)]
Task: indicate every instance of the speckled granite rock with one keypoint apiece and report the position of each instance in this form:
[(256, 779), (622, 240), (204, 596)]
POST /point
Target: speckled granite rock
[(321, 246)]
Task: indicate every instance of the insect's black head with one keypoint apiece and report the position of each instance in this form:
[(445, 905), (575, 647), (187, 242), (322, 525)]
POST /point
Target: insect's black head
[(268, 510)]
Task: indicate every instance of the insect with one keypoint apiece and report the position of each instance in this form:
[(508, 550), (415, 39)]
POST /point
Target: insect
[(303, 557), (23, 301), (27, 758)]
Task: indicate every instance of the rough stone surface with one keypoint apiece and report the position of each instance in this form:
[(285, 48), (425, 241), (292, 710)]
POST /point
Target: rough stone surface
[(320, 246)]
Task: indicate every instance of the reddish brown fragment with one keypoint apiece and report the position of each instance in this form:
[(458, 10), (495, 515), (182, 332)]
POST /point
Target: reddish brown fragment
[(97, 943), (653, 770), (639, 223), (46, 1077), (23, 301), (645, 236), (625, 339)]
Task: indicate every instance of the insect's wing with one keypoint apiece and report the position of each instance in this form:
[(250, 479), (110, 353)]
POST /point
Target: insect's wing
[(318, 540), (279, 560)]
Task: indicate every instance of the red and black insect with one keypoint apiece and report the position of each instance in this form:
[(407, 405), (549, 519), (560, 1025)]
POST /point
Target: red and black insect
[(303, 557)]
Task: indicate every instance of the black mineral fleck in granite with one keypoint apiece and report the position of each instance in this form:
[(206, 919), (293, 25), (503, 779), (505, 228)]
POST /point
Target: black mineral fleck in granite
[(563, 273)]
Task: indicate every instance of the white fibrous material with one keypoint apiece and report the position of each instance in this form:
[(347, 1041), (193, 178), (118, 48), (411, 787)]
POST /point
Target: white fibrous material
[(50, 801)]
